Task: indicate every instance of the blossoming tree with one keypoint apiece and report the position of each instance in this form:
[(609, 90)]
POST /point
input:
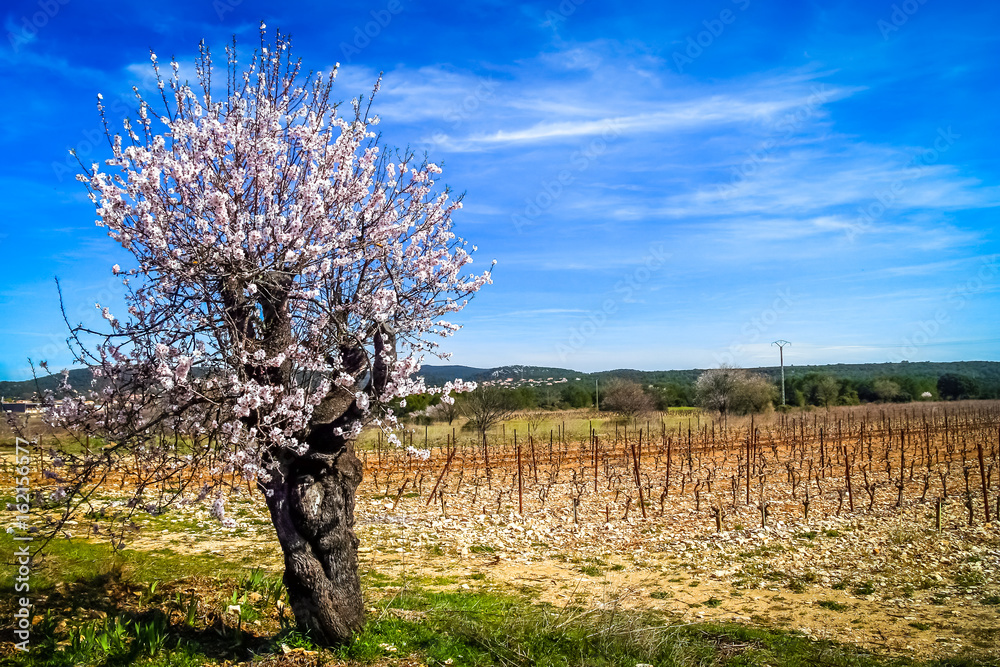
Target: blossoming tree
[(289, 277)]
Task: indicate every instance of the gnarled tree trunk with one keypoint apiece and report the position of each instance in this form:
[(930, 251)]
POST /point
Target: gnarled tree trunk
[(311, 500)]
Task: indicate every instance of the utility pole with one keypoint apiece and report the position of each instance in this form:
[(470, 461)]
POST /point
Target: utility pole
[(781, 353)]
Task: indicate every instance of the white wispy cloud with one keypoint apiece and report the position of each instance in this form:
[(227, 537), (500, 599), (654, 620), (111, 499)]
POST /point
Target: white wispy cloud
[(532, 101)]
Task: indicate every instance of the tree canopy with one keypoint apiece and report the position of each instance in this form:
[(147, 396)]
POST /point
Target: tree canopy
[(627, 399), (734, 391)]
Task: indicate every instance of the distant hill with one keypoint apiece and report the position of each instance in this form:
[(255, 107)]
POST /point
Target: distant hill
[(438, 375), (652, 377), (79, 378), (986, 372)]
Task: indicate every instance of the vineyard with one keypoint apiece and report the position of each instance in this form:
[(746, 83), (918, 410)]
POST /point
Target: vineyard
[(746, 472), (875, 527)]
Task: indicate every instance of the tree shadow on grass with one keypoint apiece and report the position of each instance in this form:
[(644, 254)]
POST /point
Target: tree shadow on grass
[(103, 620)]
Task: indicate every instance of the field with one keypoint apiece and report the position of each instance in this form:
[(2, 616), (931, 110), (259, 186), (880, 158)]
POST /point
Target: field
[(845, 536)]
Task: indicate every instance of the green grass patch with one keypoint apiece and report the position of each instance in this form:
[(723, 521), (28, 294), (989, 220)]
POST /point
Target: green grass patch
[(481, 549), (66, 561), (864, 588), (762, 552), (799, 583), (969, 577), (832, 605), (485, 629)]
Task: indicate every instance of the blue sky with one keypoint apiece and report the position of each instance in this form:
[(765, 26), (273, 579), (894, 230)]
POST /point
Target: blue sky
[(663, 185)]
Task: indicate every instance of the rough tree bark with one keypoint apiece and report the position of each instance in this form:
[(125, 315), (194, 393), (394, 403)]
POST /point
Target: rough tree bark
[(311, 500)]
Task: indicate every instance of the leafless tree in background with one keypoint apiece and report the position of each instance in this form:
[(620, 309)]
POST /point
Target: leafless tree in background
[(627, 399), (487, 406), (445, 411)]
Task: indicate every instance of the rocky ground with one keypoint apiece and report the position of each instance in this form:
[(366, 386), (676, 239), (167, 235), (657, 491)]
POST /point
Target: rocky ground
[(886, 580)]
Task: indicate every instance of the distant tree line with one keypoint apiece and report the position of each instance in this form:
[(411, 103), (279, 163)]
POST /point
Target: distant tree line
[(838, 385), (730, 391), (823, 389)]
